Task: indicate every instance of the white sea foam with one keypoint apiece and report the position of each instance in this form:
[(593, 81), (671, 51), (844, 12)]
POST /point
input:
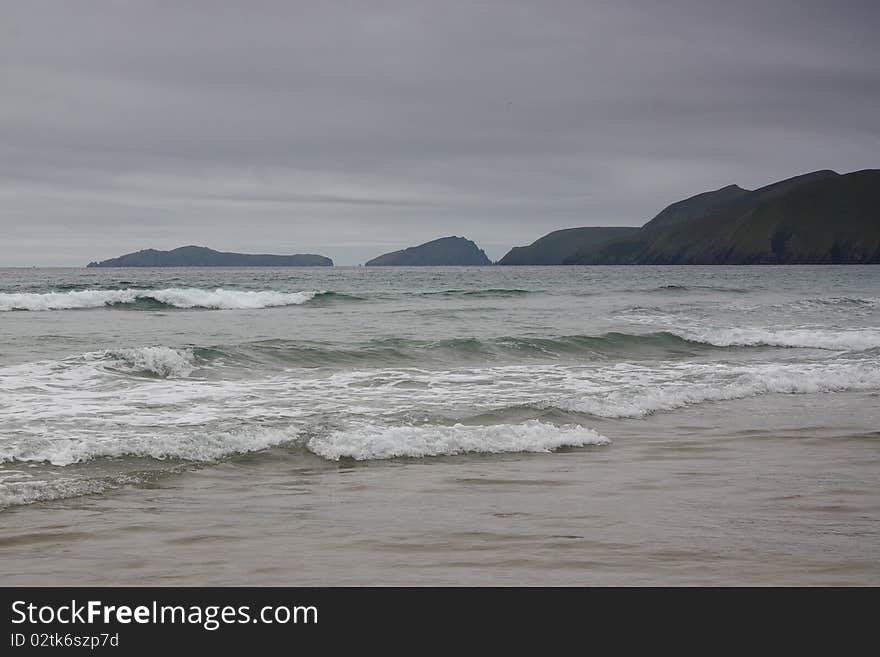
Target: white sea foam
[(78, 409), (36, 490), (203, 446), (372, 441), (647, 391), (177, 297), (851, 305), (854, 339), (159, 361), (823, 302)]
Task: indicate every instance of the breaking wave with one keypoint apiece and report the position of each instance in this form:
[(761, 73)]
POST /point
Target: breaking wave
[(26, 490), (172, 297), (385, 442), (855, 339), (835, 301), (162, 362), (203, 446)]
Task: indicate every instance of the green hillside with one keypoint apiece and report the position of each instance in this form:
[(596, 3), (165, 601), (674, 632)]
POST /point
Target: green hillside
[(832, 220), (697, 206), (554, 248), (821, 217)]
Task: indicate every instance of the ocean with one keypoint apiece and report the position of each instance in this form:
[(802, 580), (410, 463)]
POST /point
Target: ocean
[(487, 425)]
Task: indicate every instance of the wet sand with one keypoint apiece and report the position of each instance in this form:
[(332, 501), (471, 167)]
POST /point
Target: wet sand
[(675, 500)]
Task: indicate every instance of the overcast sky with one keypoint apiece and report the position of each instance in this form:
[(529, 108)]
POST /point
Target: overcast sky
[(354, 128)]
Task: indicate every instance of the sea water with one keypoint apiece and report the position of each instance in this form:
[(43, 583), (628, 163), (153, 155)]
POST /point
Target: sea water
[(445, 425)]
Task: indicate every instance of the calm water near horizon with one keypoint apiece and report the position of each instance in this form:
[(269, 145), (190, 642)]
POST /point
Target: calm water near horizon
[(489, 425)]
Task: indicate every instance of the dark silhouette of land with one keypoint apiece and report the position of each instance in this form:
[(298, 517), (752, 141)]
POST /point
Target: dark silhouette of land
[(437, 253), (555, 247), (200, 256), (821, 217), (817, 218)]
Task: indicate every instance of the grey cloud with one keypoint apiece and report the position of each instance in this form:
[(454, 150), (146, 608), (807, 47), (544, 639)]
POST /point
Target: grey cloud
[(351, 128)]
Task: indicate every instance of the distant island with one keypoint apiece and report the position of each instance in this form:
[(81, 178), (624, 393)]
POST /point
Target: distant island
[(817, 218), (437, 253), (200, 256)]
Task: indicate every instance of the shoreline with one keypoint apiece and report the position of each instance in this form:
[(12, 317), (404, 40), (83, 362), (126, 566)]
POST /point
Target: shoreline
[(670, 502)]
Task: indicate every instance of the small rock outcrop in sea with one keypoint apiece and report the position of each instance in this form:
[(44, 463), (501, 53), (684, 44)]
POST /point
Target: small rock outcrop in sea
[(445, 251), (817, 218), (200, 256)]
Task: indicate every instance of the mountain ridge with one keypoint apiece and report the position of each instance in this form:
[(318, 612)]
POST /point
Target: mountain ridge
[(753, 228), (821, 217)]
